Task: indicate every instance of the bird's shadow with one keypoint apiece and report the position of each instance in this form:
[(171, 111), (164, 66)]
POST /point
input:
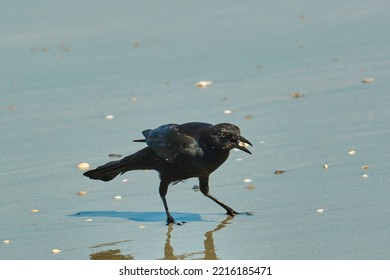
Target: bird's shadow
[(141, 216)]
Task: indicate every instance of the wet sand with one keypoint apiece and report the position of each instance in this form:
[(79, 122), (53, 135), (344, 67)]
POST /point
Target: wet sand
[(306, 82)]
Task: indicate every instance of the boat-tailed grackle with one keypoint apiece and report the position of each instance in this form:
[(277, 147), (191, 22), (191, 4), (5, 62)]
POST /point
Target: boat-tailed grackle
[(178, 152)]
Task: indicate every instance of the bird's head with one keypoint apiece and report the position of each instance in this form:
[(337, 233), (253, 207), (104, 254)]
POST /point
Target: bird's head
[(227, 136)]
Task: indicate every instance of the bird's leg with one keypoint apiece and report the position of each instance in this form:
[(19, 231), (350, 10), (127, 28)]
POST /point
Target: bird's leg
[(204, 188), (163, 189)]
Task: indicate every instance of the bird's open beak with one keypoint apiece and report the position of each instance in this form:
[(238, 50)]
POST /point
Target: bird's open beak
[(242, 144)]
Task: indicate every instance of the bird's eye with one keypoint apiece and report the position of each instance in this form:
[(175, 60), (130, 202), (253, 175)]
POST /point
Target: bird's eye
[(223, 135)]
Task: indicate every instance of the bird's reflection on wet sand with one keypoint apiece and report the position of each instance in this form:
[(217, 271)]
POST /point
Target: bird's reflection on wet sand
[(209, 252)]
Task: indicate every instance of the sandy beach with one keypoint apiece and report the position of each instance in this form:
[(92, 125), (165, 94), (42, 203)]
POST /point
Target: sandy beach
[(307, 83)]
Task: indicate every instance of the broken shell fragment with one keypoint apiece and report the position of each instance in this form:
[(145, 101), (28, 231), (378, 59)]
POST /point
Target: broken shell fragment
[(278, 172), (7, 241), (352, 152), (296, 95), (320, 210), (83, 166), (56, 251), (368, 80), (243, 144), (82, 193), (227, 112), (203, 84), (117, 197), (325, 166), (34, 211), (247, 181)]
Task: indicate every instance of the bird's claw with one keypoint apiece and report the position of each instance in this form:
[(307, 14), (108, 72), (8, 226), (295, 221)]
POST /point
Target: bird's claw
[(234, 213), (171, 220)]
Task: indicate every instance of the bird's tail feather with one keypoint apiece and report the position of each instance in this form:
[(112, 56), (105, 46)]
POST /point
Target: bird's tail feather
[(108, 171)]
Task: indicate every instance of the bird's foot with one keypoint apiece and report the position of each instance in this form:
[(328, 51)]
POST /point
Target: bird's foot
[(171, 220), (234, 213), (231, 212)]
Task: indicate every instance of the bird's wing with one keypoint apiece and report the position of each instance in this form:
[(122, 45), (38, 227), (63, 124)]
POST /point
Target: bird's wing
[(172, 141)]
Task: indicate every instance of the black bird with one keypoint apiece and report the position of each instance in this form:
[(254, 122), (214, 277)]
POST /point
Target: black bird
[(179, 152)]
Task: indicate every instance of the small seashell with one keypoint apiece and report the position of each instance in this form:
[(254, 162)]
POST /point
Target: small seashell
[(352, 152), (117, 197), (320, 210), (325, 166), (56, 251), (278, 172), (203, 84), (83, 166), (124, 180), (368, 80), (7, 241), (142, 226), (243, 144), (364, 167), (297, 95), (365, 176), (247, 181), (88, 220), (250, 187), (34, 211), (239, 159), (109, 117), (227, 112), (81, 193)]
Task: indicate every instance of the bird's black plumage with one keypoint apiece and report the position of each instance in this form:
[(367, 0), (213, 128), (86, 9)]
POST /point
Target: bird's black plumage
[(178, 152)]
